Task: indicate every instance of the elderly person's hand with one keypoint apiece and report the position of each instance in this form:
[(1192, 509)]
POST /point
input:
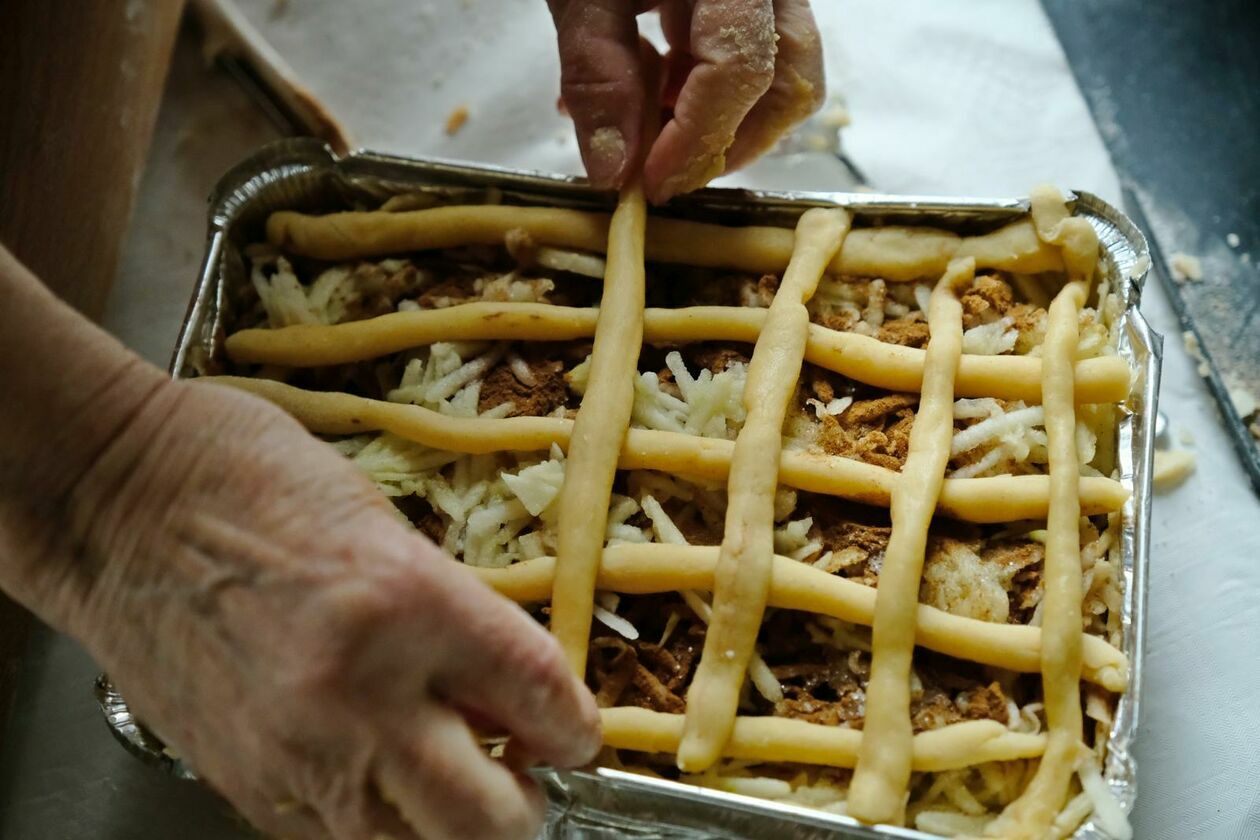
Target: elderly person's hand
[(740, 73), (259, 603)]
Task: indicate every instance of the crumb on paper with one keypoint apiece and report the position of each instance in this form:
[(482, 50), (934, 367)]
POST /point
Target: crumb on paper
[(1191, 342), (837, 116), (1186, 267), (1232, 240), (455, 119), (1172, 468), (1140, 266), (1185, 436), (1244, 401), (278, 8), (818, 143)]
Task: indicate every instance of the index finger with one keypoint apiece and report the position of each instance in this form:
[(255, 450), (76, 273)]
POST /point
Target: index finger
[(504, 667), (798, 88), (601, 82), (733, 44), (446, 788)]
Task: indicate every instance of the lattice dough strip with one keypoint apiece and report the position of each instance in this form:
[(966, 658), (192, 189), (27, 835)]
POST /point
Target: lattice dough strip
[(992, 499), (1036, 808), (877, 792), (759, 739), (599, 430), (652, 568), (893, 252), (742, 576), (858, 357)]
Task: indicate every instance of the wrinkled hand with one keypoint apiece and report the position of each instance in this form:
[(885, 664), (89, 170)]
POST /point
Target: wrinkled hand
[(316, 661), (740, 73)]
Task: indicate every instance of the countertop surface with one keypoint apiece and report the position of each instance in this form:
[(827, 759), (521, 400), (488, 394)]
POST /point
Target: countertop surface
[(970, 99)]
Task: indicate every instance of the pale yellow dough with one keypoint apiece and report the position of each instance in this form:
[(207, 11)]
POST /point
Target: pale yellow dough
[(651, 568), (599, 430), (742, 577), (1171, 468), (863, 358), (1031, 815), (1005, 498), (767, 739), (877, 792), (892, 252)]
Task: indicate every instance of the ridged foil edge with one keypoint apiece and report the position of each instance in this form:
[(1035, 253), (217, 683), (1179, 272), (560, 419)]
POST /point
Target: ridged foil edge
[(603, 804)]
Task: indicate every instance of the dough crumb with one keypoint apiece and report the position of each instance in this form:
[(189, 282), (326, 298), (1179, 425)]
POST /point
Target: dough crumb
[(608, 142), (1139, 267), (1186, 267), (837, 116), (1191, 342), (1244, 401), (456, 119), (1172, 468), (1232, 240)]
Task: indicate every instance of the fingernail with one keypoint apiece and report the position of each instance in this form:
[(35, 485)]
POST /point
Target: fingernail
[(605, 157)]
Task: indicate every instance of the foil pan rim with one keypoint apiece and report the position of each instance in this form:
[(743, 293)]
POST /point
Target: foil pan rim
[(287, 157)]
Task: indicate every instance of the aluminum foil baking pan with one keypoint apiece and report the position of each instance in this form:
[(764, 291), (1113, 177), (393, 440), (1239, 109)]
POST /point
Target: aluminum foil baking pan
[(602, 804)]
